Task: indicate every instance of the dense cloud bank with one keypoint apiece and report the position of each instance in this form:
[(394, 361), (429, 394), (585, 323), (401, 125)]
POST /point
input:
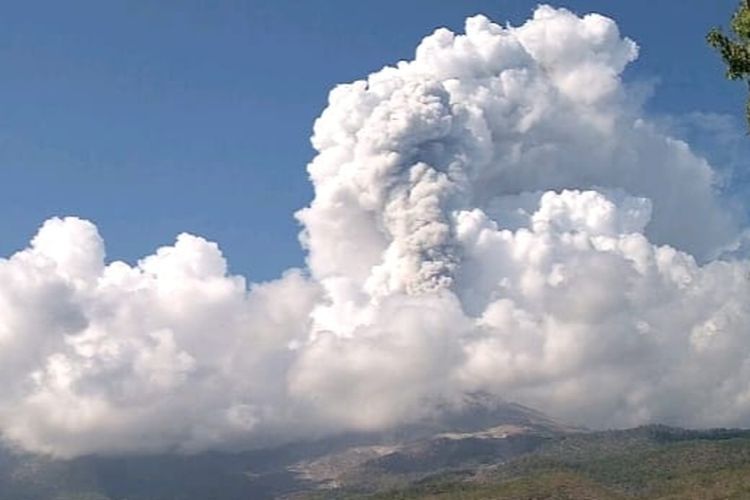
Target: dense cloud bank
[(494, 216)]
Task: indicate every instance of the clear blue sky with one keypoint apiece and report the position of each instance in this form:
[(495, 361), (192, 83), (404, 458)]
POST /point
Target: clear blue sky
[(153, 118)]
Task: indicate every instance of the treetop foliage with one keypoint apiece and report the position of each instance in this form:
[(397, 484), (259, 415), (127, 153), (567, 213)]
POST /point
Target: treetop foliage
[(735, 47)]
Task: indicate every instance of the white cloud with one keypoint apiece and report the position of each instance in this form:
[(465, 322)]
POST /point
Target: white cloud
[(496, 215)]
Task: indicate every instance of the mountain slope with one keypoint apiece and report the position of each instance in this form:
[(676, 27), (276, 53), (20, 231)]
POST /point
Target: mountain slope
[(479, 430), (481, 451), (652, 462)]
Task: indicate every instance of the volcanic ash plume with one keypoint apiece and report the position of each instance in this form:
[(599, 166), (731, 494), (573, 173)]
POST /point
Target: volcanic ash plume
[(496, 216)]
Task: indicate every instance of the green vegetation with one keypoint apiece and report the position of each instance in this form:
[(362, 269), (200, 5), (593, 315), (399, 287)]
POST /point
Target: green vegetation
[(644, 463), (735, 48), (652, 462)]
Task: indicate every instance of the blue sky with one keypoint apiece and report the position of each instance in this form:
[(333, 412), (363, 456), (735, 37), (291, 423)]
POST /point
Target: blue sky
[(153, 118)]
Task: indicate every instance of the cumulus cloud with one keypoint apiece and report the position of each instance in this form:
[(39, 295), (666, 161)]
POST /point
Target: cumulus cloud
[(496, 215)]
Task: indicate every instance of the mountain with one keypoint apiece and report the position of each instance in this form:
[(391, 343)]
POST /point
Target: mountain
[(484, 450), (652, 462), (479, 430)]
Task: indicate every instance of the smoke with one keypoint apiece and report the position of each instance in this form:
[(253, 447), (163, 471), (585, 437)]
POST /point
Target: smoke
[(496, 215)]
